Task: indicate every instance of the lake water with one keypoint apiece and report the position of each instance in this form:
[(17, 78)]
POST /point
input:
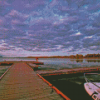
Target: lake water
[(71, 85), (60, 63)]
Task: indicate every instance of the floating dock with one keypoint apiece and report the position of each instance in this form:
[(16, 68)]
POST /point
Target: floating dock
[(68, 71), (22, 83)]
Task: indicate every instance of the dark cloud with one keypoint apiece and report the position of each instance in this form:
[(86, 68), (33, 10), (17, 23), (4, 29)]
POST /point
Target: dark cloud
[(26, 5), (95, 7), (3, 8)]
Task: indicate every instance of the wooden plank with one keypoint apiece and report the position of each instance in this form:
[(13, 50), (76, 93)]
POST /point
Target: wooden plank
[(68, 71), (21, 82)]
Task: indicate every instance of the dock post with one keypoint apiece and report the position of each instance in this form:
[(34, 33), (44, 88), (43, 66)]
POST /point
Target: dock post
[(37, 59)]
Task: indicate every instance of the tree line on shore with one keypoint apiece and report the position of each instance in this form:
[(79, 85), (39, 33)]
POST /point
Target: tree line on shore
[(77, 56)]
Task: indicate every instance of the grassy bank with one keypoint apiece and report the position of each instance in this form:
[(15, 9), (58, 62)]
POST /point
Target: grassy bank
[(3, 69)]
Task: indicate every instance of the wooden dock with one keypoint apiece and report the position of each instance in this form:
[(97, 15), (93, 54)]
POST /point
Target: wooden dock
[(68, 71), (11, 62), (22, 83)]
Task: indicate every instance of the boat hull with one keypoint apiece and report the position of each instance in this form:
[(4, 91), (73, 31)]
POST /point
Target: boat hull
[(91, 89)]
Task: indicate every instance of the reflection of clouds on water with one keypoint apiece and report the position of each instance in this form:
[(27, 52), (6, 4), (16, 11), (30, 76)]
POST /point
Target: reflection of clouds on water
[(55, 63), (68, 63)]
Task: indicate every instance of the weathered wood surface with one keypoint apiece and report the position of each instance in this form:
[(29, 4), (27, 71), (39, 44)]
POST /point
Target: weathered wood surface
[(22, 83), (34, 62), (68, 71)]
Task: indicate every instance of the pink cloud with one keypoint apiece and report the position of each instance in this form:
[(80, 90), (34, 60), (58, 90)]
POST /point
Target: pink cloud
[(1, 21), (15, 13), (15, 21)]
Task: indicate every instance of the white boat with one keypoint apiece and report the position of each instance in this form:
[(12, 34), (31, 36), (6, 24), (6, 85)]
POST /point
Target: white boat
[(92, 88)]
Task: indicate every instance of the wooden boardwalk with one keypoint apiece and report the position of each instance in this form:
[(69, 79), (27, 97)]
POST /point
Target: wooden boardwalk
[(22, 83)]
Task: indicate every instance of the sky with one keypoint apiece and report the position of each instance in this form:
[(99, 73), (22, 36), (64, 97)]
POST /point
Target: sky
[(49, 27)]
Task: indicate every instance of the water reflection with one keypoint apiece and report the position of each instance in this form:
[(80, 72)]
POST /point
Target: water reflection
[(71, 85), (79, 60), (86, 60), (60, 63), (93, 60)]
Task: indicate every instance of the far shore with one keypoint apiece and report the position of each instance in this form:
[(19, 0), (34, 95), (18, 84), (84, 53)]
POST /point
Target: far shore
[(56, 57), (77, 56)]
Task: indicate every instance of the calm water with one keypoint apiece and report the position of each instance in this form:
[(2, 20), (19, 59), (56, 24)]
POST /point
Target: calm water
[(69, 63), (60, 63), (71, 85)]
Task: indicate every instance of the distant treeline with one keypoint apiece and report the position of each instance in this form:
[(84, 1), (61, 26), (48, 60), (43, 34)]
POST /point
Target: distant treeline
[(92, 56), (77, 56), (71, 56)]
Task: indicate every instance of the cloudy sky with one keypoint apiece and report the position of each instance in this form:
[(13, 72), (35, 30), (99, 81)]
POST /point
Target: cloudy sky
[(49, 27)]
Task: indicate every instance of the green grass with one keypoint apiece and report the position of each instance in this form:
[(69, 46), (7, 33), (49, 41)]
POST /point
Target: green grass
[(2, 71)]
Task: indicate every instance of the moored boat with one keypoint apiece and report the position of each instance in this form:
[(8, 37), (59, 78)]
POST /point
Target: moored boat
[(92, 88)]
